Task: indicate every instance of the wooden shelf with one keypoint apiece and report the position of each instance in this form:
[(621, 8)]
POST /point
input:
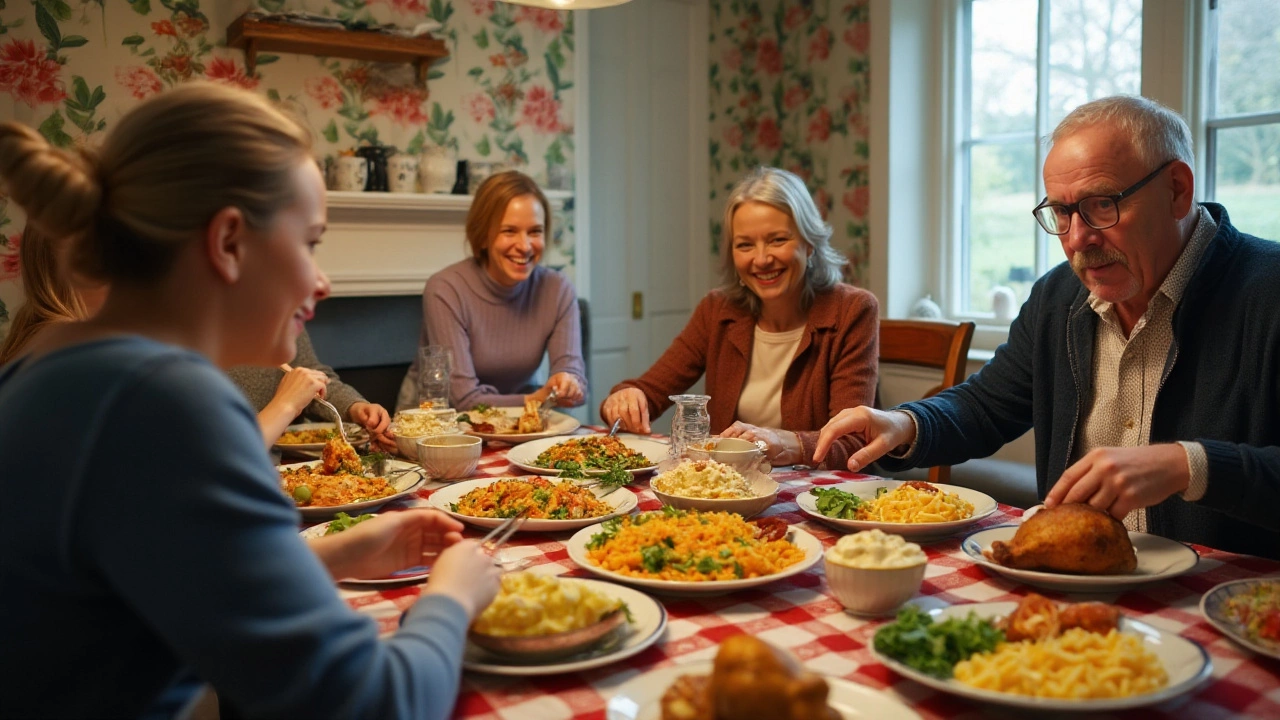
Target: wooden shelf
[(254, 35)]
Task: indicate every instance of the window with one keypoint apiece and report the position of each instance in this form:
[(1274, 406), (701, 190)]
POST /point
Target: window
[(1242, 113), (1022, 66)]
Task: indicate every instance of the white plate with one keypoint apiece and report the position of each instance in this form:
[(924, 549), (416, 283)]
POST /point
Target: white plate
[(621, 500), (577, 547), (422, 572), (1158, 559), (356, 434), (983, 505), (650, 622), (1186, 663), (558, 423), (523, 456), (404, 485), (641, 697), (1213, 607)]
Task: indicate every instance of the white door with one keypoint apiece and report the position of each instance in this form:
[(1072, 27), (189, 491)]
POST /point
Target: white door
[(647, 158)]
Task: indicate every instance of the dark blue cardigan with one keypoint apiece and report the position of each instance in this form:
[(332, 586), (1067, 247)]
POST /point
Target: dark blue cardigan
[(1220, 387)]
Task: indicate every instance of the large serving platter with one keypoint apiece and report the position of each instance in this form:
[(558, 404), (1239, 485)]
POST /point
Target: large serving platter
[(405, 484), (650, 621), (1158, 559), (983, 506), (524, 455), (1186, 663), (812, 546), (557, 423), (621, 500)]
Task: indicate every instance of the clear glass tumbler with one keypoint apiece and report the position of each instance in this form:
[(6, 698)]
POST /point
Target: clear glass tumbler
[(691, 424), (435, 368)]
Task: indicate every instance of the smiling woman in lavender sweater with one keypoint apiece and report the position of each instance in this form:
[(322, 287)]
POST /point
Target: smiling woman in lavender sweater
[(499, 311)]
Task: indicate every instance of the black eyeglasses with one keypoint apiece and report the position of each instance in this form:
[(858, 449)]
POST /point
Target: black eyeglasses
[(1097, 211)]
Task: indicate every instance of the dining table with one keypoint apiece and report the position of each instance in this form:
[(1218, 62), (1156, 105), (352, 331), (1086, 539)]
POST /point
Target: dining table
[(802, 616)]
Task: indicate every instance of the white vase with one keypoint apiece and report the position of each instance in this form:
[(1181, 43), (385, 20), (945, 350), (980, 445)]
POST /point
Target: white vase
[(438, 171), (352, 173), (402, 173)]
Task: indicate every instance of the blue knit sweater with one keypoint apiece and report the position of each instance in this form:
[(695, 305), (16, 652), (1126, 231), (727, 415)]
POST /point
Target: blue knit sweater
[(1220, 387)]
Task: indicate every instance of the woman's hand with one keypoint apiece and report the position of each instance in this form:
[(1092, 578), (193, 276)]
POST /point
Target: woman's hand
[(382, 545), (632, 406), (298, 388), (466, 573), (567, 388), (782, 447), (374, 418)]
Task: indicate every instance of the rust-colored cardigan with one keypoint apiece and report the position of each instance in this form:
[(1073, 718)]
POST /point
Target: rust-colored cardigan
[(834, 367)]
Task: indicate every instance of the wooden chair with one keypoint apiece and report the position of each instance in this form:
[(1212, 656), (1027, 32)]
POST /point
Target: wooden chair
[(932, 344)]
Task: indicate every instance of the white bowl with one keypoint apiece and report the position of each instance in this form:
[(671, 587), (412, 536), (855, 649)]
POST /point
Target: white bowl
[(765, 491), (407, 445), (866, 591), (739, 454), (449, 457)]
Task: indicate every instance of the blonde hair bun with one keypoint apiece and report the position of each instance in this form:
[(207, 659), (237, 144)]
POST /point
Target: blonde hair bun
[(58, 190)]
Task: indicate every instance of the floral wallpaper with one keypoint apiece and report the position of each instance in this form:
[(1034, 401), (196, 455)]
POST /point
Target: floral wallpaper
[(505, 95), (789, 82)]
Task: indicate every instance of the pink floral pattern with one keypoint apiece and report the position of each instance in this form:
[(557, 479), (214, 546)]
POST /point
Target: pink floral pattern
[(139, 81), (10, 260), (547, 21), (228, 71), (788, 89), (29, 75), (325, 91), (541, 111)]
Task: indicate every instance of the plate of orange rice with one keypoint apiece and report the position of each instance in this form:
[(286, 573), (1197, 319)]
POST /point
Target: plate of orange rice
[(553, 505)]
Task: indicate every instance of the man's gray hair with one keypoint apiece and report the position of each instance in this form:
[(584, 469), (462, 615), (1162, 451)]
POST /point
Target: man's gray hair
[(1157, 133), (786, 192)]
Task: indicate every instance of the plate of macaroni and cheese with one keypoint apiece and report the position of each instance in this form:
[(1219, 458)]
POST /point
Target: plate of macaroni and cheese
[(918, 511), (1038, 655), (533, 604), (553, 505)]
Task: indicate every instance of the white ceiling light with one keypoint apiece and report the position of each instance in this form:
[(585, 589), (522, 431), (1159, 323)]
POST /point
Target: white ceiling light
[(568, 4)]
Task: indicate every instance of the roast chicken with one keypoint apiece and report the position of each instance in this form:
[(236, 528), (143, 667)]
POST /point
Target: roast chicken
[(1074, 538), (749, 681)]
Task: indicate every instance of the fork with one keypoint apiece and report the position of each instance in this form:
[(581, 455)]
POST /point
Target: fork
[(499, 536), (544, 411), (341, 426)]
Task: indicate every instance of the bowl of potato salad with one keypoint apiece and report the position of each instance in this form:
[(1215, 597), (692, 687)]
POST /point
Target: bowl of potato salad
[(712, 486), (542, 616)]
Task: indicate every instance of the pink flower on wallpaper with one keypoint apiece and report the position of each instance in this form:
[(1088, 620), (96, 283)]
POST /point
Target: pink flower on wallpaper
[(823, 201), (547, 21), (733, 135), (480, 107), (164, 27), (819, 126), (733, 59), (139, 81), (820, 44), (190, 26), (403, 105), (795, 97), (769, 135), (28, 75), (769, 57), (10, 262), (325, 91), (857, 200), (482, 7), (177, 63), (498, 60), (225, 70), (541, 111), (858, 36), (796, 15), (403, 7)]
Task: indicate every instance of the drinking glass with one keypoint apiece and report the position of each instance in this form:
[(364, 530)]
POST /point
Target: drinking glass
[(435, 367), (691, 424)]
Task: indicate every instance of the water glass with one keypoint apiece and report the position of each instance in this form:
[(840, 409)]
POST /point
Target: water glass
[(691, 424), (435, 368)]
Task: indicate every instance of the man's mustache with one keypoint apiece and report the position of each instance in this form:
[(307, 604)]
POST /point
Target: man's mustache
[(1096, 257)]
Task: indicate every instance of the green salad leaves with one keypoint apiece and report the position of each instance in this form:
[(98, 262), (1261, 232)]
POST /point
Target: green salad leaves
[(343, 521), (914, 639), (836, 503)]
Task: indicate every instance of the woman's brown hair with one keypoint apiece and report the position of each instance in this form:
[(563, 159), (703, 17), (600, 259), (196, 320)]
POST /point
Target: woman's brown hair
[(49, 295), (166, 168), (490, 204)]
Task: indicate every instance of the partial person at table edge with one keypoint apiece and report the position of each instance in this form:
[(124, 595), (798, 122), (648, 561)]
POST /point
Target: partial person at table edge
[(1148, 363), (500, 311), (783, 342)]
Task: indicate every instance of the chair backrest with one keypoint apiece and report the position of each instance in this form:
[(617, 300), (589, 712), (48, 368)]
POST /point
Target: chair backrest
[(933, 344)]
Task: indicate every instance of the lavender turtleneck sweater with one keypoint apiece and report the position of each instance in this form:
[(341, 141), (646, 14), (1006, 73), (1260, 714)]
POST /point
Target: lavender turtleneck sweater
[(498, 334)]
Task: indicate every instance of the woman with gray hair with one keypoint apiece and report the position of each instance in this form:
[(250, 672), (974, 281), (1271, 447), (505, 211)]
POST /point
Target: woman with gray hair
[(785, 345)]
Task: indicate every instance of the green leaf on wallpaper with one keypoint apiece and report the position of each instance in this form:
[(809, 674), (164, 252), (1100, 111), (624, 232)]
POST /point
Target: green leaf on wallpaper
[(80, 91), (330, 132), (147, 53), (133, 40), (268, 59), (271, 5), (555, 54), (481, 39), (555, 154), (476, 72), (56, 8), (553, 74), (74, 41), (440, 119), (142, 7), (48, 27), (440, 11), (435, 74), (483, 147), (416, 144), (52, 130), (273, 95)]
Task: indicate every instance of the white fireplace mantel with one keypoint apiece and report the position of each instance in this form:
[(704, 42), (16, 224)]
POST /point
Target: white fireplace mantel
[(389, 243)]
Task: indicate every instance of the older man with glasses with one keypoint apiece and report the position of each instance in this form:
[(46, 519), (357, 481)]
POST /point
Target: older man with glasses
[(1148, 364)]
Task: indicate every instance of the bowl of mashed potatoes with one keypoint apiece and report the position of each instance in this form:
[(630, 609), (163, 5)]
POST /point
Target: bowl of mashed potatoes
[(874, 573)]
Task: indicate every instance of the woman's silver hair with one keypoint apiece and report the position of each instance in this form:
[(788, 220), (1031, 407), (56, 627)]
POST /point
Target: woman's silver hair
[(786, 192), (1156, 133)]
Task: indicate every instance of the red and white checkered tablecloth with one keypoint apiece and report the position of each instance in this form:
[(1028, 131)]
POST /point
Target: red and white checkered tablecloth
[(799, 614)]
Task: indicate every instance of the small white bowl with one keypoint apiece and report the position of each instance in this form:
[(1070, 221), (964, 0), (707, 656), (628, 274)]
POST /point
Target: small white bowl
[(449, 457), (739, 454), (765, 491), (867, 591)]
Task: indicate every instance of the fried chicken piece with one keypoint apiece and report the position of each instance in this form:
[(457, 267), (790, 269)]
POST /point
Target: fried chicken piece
[(337, 456), (688, 699), (1094, 617), (530, 420), (1035, 618), (1074, 538), (750, 680)]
